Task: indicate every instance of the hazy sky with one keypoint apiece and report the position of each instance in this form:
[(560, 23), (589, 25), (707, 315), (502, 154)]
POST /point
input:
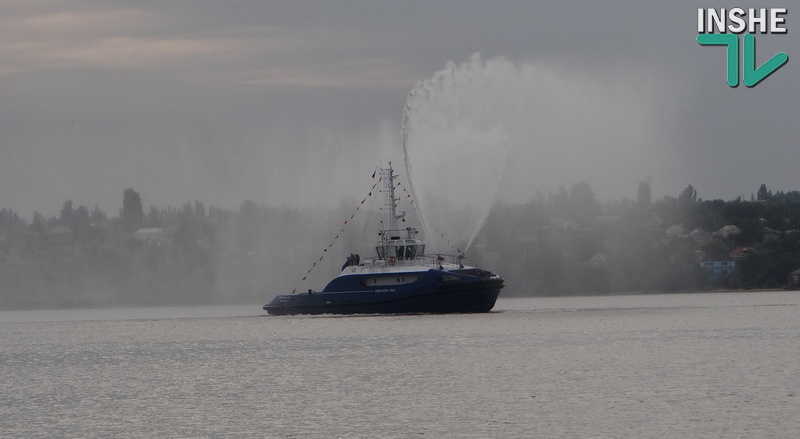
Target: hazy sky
[(292, 102)]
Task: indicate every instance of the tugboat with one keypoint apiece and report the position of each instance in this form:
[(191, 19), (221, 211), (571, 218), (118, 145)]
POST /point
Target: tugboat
[(399, 279)]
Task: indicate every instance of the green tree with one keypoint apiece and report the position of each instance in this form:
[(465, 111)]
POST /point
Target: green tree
[(687, 197), (132, 213), (38, 224), (763, 193), (66, 214), (98, 216)]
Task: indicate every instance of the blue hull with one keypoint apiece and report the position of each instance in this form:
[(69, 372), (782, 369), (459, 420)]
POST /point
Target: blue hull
[(435, 292)]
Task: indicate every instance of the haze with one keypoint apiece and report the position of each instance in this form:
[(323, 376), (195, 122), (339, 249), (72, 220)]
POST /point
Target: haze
[(287, 103)]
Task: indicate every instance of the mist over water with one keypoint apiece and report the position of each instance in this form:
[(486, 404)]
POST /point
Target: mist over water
[(483, 130)]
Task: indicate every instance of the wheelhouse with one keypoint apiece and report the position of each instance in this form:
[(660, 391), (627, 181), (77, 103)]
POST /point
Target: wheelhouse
[(395, 248), (401, 249)]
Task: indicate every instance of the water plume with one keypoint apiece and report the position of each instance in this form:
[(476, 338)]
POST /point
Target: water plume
[(484, 130), (455, 150)]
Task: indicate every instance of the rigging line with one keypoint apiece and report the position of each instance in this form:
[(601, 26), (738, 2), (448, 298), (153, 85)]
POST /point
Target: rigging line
[(341, 231), (369, 214)]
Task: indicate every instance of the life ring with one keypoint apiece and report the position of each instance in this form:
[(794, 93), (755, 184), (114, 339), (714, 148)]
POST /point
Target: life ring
[(392, 260)]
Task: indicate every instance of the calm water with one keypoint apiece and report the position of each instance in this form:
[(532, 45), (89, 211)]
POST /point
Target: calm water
[(686, 365)]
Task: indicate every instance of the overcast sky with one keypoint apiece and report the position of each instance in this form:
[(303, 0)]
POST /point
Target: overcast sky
[(292, 102)]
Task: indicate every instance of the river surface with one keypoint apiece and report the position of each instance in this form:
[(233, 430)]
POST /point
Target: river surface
[(707, 365)]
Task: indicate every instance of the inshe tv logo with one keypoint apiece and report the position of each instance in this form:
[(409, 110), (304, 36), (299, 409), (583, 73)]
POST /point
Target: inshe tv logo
[(736, 21)]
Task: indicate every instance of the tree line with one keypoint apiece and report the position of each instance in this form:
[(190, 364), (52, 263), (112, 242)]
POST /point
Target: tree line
[(566, 242), (86, 258)]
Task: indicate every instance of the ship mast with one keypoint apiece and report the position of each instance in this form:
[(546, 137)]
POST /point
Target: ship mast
[(391, 201)]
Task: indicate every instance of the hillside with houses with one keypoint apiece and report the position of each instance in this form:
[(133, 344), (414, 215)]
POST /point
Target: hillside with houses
[(569, 243), (563, 243)]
